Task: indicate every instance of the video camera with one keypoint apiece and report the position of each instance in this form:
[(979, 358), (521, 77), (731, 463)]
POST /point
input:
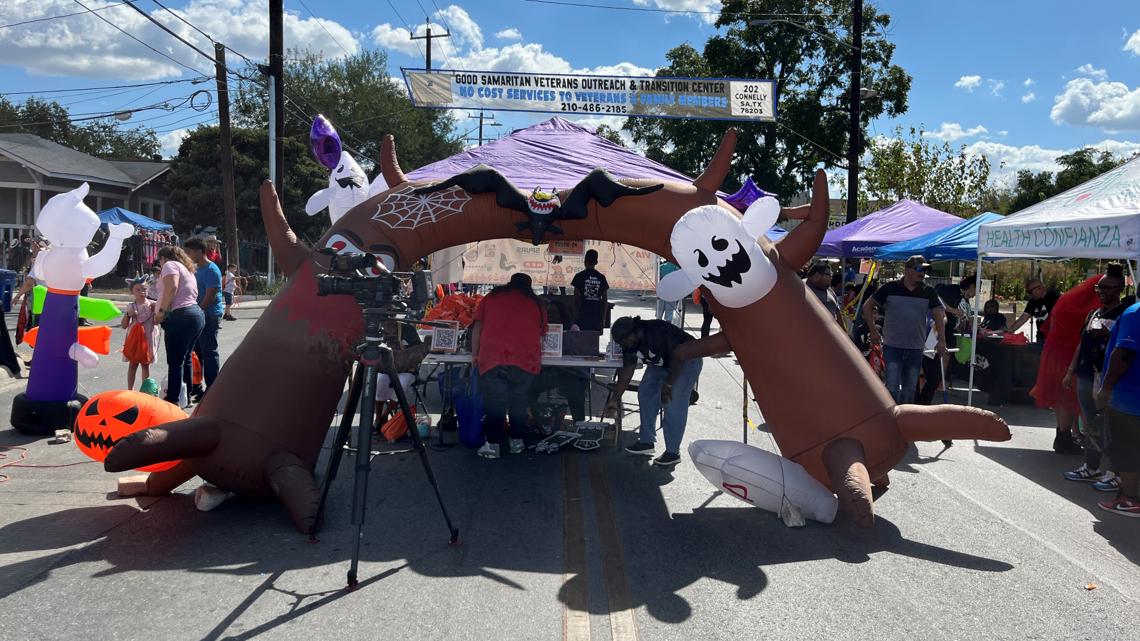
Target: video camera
[(349, 278)]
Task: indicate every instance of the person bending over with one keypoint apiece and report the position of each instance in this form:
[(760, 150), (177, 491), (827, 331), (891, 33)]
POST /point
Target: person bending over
[(668, 381)]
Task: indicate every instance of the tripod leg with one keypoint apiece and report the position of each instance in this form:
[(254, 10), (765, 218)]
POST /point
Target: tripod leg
[(363, 467), (402, 397), (338, 445)]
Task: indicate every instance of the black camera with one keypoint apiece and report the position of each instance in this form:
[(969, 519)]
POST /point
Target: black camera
[(347, 280)]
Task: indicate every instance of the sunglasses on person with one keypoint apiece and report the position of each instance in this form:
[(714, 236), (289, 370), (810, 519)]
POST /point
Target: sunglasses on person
[(1107, 288)]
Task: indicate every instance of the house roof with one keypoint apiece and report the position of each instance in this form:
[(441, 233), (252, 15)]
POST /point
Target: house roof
[(57, 161)]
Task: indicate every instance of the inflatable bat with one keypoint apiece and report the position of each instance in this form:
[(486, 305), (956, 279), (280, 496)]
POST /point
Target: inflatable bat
[(263, 439)]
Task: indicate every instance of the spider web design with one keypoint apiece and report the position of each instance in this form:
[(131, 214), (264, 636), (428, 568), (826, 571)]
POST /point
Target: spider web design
[(404, 210)]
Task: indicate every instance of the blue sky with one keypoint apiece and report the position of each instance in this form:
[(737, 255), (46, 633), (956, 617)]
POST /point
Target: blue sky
[(1017, 80)]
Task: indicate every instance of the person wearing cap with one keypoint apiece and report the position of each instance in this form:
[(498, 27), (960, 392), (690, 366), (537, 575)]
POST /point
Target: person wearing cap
[(590, 294), (906, 304), (668, 381), (1041, 302)]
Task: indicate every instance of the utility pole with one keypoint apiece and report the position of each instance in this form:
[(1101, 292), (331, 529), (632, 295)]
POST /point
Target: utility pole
[(854, 131), (232, 250), (276, 108), (491, 123), (429, 38)]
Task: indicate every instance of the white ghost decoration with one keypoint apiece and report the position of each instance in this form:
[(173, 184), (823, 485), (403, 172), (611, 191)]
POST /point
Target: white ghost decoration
[(69, 226), (716, 249), (348, 187), (378, 186)]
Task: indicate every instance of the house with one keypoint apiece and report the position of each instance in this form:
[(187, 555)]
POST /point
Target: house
[(33, 169)]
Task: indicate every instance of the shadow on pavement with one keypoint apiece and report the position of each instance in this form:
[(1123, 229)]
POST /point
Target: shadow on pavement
[(1045, 468)]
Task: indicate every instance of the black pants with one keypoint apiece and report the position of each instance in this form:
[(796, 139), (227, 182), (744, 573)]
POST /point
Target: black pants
[(7, 352), (505, 390), (933, 374), (566, 380), (706, 318)]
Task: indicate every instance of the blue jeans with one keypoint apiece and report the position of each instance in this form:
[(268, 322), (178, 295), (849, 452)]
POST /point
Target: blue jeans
[(667, 309), (1093, 423), (676, 412), (207, 349), (180, 329), (903, 366)]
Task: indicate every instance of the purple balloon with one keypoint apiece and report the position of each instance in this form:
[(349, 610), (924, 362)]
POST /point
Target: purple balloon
[(325, 142), (746, 195)]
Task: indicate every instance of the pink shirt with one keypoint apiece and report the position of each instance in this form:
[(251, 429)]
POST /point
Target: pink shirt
[(187, 292)]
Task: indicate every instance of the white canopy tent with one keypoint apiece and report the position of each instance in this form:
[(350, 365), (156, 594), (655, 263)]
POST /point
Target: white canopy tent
[(1096, 219)]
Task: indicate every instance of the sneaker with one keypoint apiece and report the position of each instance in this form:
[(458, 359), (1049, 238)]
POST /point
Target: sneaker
[(231, 318), (641, 448), (1107, 483), (1066, 446), (517, 446), (668, 459), (1083, 473), (489, 450), (1121, 505)]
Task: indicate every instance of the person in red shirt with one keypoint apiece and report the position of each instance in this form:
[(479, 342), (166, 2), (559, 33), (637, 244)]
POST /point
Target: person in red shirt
[(506, 347)]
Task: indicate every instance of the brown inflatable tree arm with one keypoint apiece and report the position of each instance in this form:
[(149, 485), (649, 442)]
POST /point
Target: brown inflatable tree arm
[(797, 248)]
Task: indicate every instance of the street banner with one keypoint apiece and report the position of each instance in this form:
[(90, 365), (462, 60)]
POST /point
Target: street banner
[(491, 262), (647, 96)]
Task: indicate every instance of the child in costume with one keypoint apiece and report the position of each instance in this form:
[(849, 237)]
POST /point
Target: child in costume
[(141, 345)]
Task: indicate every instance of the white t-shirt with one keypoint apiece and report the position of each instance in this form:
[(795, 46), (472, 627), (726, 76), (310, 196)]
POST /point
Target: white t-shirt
[(229, 282)]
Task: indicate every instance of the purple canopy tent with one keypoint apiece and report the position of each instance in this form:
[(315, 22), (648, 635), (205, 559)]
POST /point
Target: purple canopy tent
[(903, 220), (555, 154)]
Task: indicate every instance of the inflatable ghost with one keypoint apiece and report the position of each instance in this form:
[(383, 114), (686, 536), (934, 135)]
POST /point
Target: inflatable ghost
[(348, 185), (69, 226)]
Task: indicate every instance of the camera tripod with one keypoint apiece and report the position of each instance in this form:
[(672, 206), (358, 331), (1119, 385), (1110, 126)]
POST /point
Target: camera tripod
[(370, 355)]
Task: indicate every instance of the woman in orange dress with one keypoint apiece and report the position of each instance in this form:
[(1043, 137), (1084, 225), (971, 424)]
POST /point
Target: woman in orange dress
[(1062, 337)]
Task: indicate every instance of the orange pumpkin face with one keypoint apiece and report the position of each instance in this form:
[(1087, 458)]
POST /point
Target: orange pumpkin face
[(110, 416)]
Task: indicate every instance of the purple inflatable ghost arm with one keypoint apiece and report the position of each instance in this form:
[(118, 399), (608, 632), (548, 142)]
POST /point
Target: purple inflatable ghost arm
[(325, 142)]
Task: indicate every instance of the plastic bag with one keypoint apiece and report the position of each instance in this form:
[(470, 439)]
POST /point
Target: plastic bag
[(136, 348), (469, 409), (875, 358)]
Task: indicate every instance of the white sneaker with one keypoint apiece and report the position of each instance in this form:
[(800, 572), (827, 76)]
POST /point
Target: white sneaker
[(517, 446), (489, 450)]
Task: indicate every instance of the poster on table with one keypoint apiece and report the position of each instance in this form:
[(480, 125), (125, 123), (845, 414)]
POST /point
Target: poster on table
[(552, 341), (646, 96), (492, 262), (445, 339)]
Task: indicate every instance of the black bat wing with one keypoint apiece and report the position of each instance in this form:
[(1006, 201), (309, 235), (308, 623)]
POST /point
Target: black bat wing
[(599, 186), (482, 179)]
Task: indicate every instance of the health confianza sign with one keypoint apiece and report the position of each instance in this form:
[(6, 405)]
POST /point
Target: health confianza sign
[(654, 97)]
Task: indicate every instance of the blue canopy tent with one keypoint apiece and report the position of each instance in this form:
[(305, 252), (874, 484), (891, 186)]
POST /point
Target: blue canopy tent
[(776, 233), (116, 215), (959, 242)]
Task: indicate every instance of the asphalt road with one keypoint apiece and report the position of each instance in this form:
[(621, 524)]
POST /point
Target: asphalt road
[(983, 541)]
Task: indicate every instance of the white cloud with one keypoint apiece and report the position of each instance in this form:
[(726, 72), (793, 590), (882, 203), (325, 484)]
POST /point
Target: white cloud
[(464, 30), (1111, 106), (709, 9), (969, 83), (1029, 97), (613, 122), (1028, 82), (1092, 72), (170, 141), (951, 131), (1007, 160), (395, 38), (85, 46), (1003, 133), (509, 34), (533, 58), (1133, 43), (995, 86)]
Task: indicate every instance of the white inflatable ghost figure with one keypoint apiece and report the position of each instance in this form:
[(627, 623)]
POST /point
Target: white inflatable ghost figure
[(348, 184), (716, 249), (69, 226)]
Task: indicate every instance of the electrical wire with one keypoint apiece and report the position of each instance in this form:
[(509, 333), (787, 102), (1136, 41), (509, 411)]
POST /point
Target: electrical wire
[(589, 5), (167, 29), (65, 15), (84, 89), (185, 21), (813, 143), (322, 26), (132, 37), (406, 24)]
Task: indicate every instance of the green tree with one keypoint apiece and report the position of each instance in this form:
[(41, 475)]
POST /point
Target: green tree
[(194, 184), (939, 176), (610, 134), (359, 97), (1031, 188), (808, 57), (103, 138), (1077, 167)]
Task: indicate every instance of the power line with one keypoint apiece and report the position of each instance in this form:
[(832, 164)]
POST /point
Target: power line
[(184, 21), (169, 31), (322, 26), (588, 5), (124, 32), (406, 24), (813, 143), (65, 15), (81, 89)]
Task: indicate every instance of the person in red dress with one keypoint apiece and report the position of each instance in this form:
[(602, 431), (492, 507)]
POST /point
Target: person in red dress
[(1062, 337), (506, 348)]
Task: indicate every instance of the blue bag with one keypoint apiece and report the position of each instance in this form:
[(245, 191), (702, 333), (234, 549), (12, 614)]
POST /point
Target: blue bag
[(469, 411)]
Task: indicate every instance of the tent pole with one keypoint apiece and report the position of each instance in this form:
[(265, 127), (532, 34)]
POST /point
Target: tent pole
[(974, 313)]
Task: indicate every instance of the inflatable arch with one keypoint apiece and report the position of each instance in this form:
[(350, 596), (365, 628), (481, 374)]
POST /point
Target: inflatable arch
[(259, 430)]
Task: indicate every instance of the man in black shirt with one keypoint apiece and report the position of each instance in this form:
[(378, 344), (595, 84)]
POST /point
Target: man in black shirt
[(668, 381), (1041, 302), (590, 294)]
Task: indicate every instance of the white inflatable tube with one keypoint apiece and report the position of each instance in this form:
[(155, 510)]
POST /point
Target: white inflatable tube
[(763, 479)]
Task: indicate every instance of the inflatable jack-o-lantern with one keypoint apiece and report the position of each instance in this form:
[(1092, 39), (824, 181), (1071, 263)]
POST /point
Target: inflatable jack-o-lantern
[(110, 416)]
